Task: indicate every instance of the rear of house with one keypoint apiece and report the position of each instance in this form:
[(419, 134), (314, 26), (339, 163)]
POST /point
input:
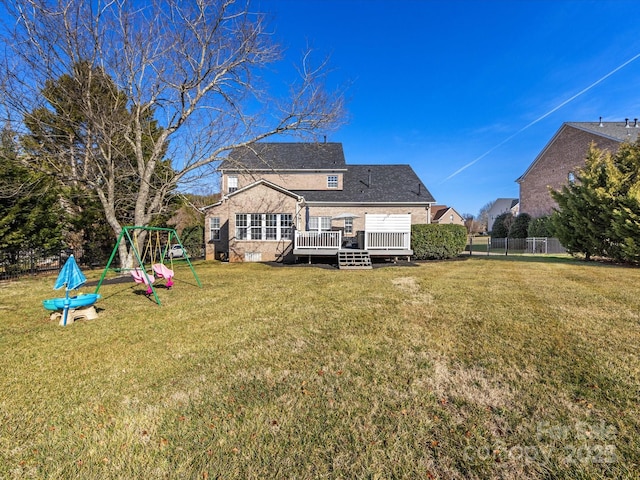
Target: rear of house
[(284, 200)]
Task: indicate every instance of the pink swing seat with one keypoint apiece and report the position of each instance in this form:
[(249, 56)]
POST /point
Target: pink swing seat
[(139, 277), (162, 271)]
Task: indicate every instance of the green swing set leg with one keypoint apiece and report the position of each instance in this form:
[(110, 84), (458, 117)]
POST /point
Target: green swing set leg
[(125, 233)]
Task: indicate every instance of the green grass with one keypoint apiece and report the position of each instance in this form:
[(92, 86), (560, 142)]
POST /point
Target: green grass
[(488, 367)]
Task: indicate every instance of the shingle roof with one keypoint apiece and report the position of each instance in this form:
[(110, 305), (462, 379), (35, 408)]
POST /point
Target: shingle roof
[(621, 131), (375, 183), (617, 131), (286, 156), (438, 211)]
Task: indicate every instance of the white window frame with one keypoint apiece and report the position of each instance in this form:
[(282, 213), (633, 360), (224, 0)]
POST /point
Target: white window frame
[(319, 224), (214, 228), (332, 181), (264, 227), (232, 183), (348, 226)]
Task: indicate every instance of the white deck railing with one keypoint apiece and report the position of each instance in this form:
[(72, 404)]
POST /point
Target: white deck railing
[(317, 240), (387, 240), (333, 240)]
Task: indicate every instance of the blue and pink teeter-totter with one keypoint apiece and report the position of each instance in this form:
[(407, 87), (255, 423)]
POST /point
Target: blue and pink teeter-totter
[(71, 308)]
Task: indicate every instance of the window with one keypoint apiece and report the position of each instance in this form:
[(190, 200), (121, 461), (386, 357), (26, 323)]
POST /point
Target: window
[(242, 222), (332, 181), (271, 226), (256, 227), (214, 228), (232, 184), (571, 177), (319, 223), (263, 226), (286, 224), (348, 225)]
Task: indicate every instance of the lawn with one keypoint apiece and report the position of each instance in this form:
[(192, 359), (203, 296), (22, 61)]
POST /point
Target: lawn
[(488, 367)]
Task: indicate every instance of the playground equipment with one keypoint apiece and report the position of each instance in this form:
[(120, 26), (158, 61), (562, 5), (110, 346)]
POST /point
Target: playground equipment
[(140, 276), (72, 277), (149, 261)]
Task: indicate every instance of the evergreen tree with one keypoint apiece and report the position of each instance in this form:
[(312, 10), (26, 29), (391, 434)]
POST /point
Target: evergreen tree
[(541, 227), (598, 213), (31, 216), (625, 218), (501, 225), (520, 226)]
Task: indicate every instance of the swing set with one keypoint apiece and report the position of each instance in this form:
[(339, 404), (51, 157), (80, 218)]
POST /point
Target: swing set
[(149, 261)]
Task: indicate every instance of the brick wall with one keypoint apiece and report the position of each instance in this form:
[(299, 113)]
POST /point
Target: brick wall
[(565, 154)]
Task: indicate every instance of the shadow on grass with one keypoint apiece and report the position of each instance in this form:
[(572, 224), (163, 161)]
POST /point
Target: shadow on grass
[(560, 259)]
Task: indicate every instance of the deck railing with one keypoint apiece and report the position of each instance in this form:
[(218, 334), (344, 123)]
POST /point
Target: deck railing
[(387, 240), (333, 240), (318, 240)]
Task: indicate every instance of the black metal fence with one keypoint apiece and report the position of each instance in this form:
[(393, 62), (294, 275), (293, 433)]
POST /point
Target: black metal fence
[(29, 262), (506, 246), (16, 264)]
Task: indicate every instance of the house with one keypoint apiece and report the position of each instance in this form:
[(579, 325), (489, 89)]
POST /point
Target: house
[(500, 206), (281, 201), (565, 153), (444, 214)]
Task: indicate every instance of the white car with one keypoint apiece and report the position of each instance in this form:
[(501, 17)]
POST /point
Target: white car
[(176, 251)]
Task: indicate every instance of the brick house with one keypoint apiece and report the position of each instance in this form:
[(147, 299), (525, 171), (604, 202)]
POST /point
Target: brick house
[(284, 200), (444, 214), (557, 163)]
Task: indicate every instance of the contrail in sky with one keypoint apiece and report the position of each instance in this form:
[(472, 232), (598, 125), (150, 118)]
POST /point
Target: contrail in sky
[(463, 168)]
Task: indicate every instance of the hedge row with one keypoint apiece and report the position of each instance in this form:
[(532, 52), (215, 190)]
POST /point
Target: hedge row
[(437, 242)]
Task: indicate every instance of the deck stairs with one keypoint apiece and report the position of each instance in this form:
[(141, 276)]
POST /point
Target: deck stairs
[(354, 260)]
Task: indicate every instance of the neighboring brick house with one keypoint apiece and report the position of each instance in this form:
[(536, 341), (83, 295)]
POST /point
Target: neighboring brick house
[(557, 163), (500, 206), (273, 192), (443, 214)]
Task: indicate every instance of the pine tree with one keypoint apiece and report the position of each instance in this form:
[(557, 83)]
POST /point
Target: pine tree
[(599, 214)]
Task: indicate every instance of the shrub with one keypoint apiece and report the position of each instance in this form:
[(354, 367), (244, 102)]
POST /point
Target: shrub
[(501, 225), (541, 227), (520, 226), (436, 242)]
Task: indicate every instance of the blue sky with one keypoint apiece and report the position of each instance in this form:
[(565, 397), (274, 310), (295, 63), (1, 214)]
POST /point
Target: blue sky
[(441, 84)]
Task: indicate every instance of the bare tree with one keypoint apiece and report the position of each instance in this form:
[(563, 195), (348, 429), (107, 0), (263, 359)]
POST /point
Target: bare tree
[(483, 216), (188, 73)]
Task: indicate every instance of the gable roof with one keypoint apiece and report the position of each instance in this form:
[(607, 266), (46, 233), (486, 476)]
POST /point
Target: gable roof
[(261, 181), (374, 184), (286, 156), (626, 131), (502, 205), (439, 211)]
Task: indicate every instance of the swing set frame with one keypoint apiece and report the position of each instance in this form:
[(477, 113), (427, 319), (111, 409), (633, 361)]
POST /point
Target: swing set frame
[(125, 235)]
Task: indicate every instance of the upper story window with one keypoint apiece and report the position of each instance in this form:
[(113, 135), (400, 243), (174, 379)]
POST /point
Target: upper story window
[(332, 181), (232, 184)]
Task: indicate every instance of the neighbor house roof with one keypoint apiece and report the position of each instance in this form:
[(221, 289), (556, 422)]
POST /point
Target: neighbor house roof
[(626, 131), (502, 205), (286, 156), (438, 211), (621, 131), (374, 184)]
